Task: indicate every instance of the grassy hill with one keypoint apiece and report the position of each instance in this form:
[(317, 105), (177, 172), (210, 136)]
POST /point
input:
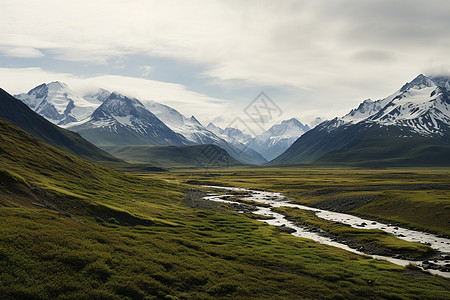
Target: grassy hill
[(197, 156), (72, 229), (18, 113)]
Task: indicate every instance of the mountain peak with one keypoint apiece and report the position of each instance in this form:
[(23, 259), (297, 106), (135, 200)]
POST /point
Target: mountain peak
[(120, 105), (58, 84), (57, 102), (194, 120), (117, 95), (293, 121), (215, 129), (420, 81), (278, 138), (121, 120)]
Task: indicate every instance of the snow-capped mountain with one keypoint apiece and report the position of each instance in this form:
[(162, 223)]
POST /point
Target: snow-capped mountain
[(190, 128), (110, 119), (413, 122), (58, 103), (120, 120), (278, 138), (419, 105), (422, 105)]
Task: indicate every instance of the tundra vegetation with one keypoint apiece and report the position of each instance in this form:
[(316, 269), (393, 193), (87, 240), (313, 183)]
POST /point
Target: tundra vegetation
[(72, 229)]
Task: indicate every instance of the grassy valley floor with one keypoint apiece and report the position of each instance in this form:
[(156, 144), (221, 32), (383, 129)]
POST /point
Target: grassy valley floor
[(72, 229), (415, 198)]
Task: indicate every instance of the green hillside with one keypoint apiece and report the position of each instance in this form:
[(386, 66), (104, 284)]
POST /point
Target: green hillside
[(72, 229), (197, 156)]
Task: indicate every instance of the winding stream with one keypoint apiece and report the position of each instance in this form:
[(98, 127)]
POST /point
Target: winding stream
[(278, 200)]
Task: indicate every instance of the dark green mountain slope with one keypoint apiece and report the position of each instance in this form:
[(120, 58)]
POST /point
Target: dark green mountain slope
[(379, 147), (196, 156), (368, 145), (18, 113)]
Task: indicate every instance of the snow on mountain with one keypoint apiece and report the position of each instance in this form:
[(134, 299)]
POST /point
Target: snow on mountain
[(422, 105), (190, 128), (366, 109), (278, 138), (213, 128), (58, 103), (123, 120), (287, 129)]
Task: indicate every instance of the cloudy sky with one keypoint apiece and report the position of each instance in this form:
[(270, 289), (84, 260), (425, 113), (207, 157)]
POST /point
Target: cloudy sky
[(212, 58)]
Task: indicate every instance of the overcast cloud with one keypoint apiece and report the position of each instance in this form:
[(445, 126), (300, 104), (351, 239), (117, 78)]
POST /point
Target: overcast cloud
[(313, 57)]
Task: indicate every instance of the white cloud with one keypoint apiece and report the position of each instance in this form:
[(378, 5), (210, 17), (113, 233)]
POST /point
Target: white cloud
[(21, 52)]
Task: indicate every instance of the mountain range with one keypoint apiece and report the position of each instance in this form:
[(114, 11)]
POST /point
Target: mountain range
[(197, 134), (270, 143), (109, 119), (121, 120), (408, 128)]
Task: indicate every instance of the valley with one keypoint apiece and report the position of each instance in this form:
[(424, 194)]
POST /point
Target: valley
[(414, 197), (218, 149), (72, 229), (137, 202)]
